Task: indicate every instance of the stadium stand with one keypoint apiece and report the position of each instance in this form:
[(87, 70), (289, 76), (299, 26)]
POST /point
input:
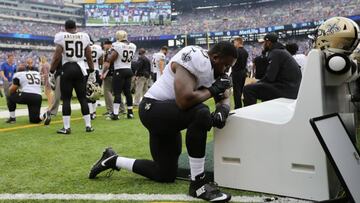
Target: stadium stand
[(213, 19)]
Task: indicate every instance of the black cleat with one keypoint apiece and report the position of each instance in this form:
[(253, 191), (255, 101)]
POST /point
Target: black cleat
[(64, 131), (130, 116), (203, 189), (114, 117), (47, 118), (107, 161), (10, 120), (89, 129)]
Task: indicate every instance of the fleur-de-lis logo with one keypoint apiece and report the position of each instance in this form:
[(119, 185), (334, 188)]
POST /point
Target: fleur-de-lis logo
[(186, 57), (332, 28)]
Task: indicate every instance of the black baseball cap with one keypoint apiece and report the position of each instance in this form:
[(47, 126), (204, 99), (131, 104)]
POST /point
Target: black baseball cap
[(272, 37), (107, 41), (70, 24)]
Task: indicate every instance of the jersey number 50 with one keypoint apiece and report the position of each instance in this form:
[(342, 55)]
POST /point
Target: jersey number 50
[(74, 48)]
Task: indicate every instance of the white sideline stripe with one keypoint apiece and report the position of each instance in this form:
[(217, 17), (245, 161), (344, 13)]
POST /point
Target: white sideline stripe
[(4, 113), (138, 197)]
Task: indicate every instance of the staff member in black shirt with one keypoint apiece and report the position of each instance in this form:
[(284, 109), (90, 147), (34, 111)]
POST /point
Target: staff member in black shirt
[(238, 71), (282, 78), (142, 76)]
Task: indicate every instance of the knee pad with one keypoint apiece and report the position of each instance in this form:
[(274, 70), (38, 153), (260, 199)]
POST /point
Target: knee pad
[(203, 118)]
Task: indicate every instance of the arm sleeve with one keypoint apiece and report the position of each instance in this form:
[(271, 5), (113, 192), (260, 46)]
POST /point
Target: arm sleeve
[(2, 67)]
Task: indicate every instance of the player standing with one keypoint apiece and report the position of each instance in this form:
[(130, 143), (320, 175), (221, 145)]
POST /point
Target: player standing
[(122, 55), (72, 48)]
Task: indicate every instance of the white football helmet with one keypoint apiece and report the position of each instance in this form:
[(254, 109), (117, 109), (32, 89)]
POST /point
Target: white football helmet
[(121, 35), (337, 35), (93, 91)]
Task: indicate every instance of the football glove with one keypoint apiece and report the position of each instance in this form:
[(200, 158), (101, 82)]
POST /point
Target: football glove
[(221, 84), (91, 78), (220, 115), (52, 80)]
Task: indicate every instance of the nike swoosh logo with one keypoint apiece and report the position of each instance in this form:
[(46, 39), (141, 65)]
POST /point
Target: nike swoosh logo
[(221, 79), (220, 115), (103, 162), (223, 197)]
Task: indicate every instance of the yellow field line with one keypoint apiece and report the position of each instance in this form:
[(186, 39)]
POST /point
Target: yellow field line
[(41, 124), (33, 125)]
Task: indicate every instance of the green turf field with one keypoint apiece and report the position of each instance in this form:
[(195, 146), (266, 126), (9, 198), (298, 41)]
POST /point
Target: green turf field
[(37, 160)]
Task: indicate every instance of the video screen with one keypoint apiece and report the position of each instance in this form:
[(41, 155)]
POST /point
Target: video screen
[(147, 13)]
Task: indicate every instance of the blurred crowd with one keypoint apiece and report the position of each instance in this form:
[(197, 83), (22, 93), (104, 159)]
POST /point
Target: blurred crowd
[(253, 48), (215, 19)]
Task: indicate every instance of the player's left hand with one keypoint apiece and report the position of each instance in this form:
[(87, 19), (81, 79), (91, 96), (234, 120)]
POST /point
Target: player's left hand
[(220, 115)]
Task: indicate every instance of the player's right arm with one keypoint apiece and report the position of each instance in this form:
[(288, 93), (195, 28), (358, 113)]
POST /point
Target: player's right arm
[(56, 60), (186, 94)]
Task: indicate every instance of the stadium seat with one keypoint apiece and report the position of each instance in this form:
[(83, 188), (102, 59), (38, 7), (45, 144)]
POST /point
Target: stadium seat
[(270, 147)]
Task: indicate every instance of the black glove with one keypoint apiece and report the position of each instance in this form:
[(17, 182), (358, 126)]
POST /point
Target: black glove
[(220, 115), (221, 84)]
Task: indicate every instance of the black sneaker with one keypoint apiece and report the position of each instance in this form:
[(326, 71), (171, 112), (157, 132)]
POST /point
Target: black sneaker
[(10, 120), (89, 129), (203, 189), (47, 118), (64, 131), (114, 117), (107, 161), (130, 116)]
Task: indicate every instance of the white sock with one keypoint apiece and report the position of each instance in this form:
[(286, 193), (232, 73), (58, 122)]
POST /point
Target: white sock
[(87, 120), (116, 108), (66, 120), (130, 107), (94, 107), (91, 109), (125, 163), (196, 166), (12, 114)]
